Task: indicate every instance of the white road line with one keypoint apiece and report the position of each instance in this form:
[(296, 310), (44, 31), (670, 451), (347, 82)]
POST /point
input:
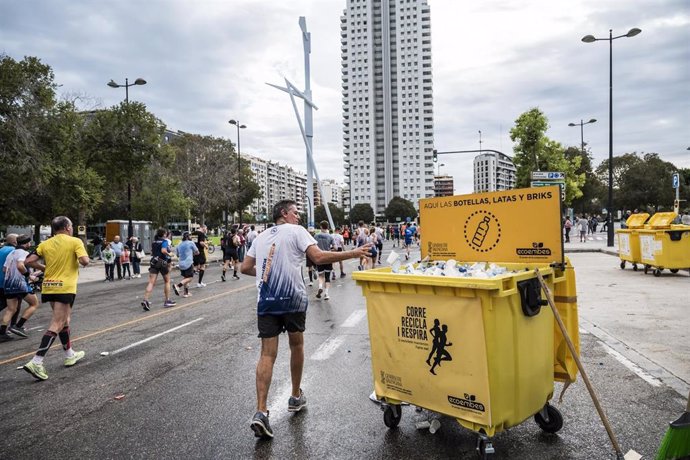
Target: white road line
[(119, 350), (633, 367), (327, 348), (278, 409), (354, 318)]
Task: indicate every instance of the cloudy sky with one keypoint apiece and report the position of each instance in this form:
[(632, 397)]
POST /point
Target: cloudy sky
[(208, 61)]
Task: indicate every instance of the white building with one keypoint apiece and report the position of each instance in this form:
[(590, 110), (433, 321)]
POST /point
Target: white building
[(277, 182), (387, 101), (494, 171), (332, 190)]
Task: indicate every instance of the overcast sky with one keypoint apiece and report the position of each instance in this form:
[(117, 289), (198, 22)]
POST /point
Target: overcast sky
[(208, 61)]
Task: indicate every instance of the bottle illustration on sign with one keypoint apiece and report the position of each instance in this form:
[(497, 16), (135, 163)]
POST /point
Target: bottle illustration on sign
[(481, 232)]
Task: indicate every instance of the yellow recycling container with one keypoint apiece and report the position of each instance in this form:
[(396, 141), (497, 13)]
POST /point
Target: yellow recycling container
[(664, 245), (629, 239), (484, 351)]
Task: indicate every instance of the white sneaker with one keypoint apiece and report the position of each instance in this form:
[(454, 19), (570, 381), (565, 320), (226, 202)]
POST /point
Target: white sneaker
[(326, 297), (200, 285)]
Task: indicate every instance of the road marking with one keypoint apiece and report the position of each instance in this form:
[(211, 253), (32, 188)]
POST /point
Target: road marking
[(354, 318), (327, 348), (653, 381), (136, 344), (134, 321), (278, 409)]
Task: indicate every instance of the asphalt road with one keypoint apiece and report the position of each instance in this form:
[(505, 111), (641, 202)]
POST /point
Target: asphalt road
[(179, 383)]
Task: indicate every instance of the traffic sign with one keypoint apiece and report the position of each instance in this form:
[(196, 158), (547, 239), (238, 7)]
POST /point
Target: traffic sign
[(676, 180), (560, 183), (81, 230), (547, 175)]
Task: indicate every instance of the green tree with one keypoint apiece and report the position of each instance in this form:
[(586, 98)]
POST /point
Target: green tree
[(593, 191), (27, 97), (337, 213), (363, 212), (621, 165), (647, 185), (534, 151), (398, 209)]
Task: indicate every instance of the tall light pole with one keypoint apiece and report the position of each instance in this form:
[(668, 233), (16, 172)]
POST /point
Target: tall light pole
[(590, 39), (480, 141), (582, 132), (239, 165), (112, 84)]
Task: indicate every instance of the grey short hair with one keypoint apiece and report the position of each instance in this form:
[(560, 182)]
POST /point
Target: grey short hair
[(60, 223)]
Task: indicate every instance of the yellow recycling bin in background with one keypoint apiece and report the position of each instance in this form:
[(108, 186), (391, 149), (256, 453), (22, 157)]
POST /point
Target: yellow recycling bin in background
[(484, 351), (629, 239), (664, 245)]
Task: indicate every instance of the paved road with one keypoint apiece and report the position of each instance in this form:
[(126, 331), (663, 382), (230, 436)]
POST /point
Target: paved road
[(179, 382)]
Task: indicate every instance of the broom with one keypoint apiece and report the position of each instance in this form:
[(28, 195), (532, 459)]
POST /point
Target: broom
[(619, 453), (676, 443)]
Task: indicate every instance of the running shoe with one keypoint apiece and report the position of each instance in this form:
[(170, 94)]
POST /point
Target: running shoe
[(37, 370), (310, 283), (20, 331), (222, 277), (176, 289), (296, 404), (342, 275), (235, 277), (169, 303), (71, 361), (326, 297), (318, 294), (6, 338), (260, 426), (200, 285), (146, 305), (186, 294)]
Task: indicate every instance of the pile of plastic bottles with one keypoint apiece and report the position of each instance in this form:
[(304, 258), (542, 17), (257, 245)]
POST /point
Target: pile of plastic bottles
[(450, 268)]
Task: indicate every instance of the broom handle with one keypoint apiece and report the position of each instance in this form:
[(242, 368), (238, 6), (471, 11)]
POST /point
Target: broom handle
[(602, 415)]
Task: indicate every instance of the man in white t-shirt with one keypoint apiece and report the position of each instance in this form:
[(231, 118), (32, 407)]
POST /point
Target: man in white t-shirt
[(339, 246), (251, 236), (282, 300)]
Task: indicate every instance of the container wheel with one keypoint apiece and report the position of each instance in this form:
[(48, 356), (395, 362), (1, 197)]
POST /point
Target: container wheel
[(674, 270), (485, 447), (622, 264), (554, 421), (634, 267), (392, 415), (657, 272)]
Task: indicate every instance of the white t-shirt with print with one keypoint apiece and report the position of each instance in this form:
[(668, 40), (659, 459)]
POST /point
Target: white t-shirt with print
[(279, 253)]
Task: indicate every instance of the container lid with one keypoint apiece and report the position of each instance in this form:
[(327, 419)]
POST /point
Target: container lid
[(661, 220), (637, 220)]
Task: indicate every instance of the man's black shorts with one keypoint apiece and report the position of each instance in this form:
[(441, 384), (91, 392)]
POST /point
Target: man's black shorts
[(274, 325), (231, 255), (188, 273), (324, 268), (62, 298), (17, 295), (3, 302), (200, 259)]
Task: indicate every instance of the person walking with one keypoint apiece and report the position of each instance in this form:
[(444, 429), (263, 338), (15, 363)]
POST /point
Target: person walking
[(63, 254), (251, 236), (567, 226), (97, 242), (16, 286), (117, 246), (339, 246), (282, 301), (230, 256), (108, 262), (583, 224), (200, 239), (324, 241), (135, 253), (160, 264), (186, 251)]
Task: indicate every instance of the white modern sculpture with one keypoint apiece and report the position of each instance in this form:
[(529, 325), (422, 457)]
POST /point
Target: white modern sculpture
[(307, 129)]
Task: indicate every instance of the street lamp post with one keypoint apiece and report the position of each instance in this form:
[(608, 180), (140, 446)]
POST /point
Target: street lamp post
[(112, 84), (590, 39), (582, 132), (239, 165)]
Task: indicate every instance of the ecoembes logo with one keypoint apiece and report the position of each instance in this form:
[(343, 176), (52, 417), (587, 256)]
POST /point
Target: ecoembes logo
[(468, 402), (537, 250)]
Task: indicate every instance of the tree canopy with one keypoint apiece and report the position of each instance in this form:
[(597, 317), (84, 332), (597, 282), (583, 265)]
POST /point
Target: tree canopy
[(399, 209), (363, 212)]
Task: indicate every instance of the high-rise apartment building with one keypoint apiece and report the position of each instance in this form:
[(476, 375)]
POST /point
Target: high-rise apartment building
[(276, 182), (332, 191), (387, 101), (443, 185), (494, 172)]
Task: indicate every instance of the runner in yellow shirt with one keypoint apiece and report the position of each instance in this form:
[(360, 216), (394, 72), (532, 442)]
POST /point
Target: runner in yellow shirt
[(62, 254)]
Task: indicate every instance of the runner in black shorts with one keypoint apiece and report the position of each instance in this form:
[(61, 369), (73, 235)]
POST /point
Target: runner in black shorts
[(272, 325), (200, 259), (230, 253)]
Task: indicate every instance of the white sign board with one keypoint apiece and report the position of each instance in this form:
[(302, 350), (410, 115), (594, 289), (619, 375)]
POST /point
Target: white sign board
[(547, 175)]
